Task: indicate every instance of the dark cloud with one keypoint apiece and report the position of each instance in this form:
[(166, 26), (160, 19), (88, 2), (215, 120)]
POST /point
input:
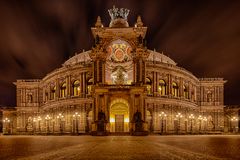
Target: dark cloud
[(38, 36)]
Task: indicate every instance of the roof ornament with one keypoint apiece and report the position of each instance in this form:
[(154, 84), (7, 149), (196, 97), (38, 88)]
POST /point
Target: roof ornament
[(98, 23), (116, 13), (139, 22)]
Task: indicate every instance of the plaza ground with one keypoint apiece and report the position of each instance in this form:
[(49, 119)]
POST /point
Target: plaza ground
[(120, 147)]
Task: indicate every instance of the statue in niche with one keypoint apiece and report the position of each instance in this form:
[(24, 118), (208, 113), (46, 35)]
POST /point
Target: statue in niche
[(138, 121), (101, 116), (119, 75), (97, 39), (101, 121), (140, 39)]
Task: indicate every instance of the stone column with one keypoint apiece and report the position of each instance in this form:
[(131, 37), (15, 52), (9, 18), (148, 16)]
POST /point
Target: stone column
[(84, 83), (180, 85), (157, 82), (144, 72), (81, 84), (190, 88), (169, 84), (134, 72), (141, 104), (44, 98), (57, 89), (103, 72), (154, 117), (106, 110), (156, 85), (68, 83), (97, 71), (140, 71), (96, 106), (49, 92), (132, 107), (153, 82)]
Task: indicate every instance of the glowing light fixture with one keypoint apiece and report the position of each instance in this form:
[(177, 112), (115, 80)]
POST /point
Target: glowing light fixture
[(112, 120), (126, 120)]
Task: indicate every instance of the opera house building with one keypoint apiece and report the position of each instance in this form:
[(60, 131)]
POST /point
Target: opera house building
[(118, 87)]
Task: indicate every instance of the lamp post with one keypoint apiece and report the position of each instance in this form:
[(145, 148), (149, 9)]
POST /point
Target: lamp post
[(234, 119), (6, 122), (47, 118), (60, 118), (34, 124), (179, 116), (191, 117), (39, 123), (200, 122), (162, 115), (205, 123), (75, 123)]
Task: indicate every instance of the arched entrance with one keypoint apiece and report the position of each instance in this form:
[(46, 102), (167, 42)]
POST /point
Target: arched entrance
[(119, 116)]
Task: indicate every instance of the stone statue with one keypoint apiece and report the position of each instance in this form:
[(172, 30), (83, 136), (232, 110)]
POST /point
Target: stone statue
[(138, 121), (101, 121), (97, 40), (101, 116), (140, 39), (138, 116)]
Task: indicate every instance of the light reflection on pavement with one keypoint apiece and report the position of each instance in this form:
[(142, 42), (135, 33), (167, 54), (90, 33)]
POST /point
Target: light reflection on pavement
[(120, 147)]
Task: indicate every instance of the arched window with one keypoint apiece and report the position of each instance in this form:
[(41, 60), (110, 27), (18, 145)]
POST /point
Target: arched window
[(162, 87), (53, 93), (174, 89), (76, 88), (30, 98), (89, 85), (46, 96), (185, 92), (63, 90), (149, 85)]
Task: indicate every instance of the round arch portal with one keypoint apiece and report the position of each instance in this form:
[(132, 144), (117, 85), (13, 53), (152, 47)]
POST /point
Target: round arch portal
[(119, 116)]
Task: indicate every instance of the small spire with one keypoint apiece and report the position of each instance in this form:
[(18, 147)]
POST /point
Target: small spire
[(139, 22), (98, 22)]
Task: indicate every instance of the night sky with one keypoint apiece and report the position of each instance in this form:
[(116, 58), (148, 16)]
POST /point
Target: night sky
[(202, 36)]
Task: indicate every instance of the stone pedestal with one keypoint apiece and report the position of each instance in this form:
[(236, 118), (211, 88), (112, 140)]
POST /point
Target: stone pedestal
[(139, 129), (99, 128)]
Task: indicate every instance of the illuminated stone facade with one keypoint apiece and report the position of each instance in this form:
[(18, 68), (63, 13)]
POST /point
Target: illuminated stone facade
[(116, 84)]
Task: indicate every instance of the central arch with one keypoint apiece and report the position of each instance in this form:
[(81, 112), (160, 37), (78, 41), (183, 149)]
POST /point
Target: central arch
[(119, 115)]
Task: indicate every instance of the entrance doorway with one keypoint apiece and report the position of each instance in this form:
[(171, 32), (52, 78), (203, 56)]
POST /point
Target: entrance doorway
[(119, 123), (119, 116)]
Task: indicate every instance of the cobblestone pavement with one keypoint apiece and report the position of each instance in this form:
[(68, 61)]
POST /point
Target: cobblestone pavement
[(119, 147)]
